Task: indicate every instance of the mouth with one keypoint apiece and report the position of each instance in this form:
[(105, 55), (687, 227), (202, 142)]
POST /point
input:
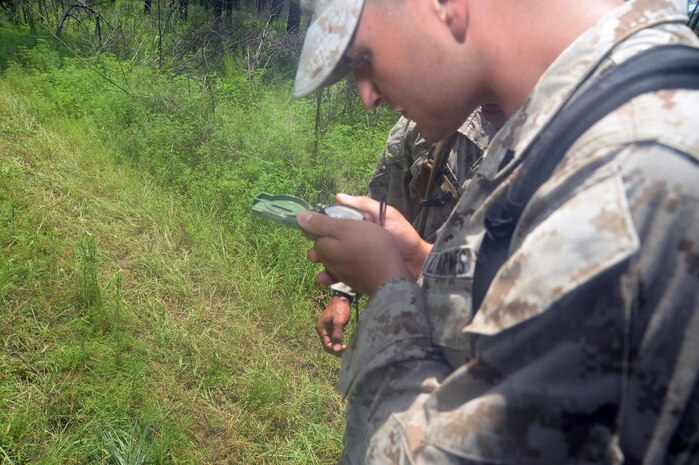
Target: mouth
[(490, 108), (492, 112)]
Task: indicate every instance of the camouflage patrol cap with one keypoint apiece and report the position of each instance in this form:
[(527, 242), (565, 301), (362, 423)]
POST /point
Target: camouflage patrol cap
[(331, 28)]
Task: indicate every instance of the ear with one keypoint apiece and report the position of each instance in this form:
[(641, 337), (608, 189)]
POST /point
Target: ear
[(453, 13)]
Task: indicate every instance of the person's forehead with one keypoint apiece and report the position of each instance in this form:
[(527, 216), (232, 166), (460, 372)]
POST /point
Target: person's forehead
[(360, 40)]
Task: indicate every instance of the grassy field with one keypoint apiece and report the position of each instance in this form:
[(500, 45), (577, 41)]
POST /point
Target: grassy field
[(145, 316)]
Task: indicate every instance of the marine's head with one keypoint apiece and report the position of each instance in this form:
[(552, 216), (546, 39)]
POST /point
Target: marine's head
[(399, 52)]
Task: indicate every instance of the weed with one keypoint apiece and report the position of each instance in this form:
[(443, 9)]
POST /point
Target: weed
[(197, 345), (127, 447), (9, 216), (6, 457), (90, 292)]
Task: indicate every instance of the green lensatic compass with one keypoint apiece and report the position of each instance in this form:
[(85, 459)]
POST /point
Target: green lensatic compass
[(284, 208)]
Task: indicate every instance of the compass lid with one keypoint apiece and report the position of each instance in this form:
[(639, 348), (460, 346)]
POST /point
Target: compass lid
[(280, 208)]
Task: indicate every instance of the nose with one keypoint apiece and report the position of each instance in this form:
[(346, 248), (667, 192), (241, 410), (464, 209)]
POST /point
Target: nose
[(369, 92)]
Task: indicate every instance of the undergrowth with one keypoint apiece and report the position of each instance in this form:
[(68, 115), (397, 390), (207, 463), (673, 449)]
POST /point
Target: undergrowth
[(145, 315)]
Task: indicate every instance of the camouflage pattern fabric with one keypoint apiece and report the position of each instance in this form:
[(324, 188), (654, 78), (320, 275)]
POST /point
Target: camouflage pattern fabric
[(585, 348), (400, 170), (329, 32), (401, 177)]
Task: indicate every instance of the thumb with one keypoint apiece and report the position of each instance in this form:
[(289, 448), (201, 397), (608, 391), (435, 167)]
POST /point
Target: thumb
[(315, 224)]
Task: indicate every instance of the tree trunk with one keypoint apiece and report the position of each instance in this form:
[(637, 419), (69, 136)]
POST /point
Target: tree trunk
[(218, 9), (229, 9), (160, 37), (184, 9), (277, 7), (316, 142), (694, 17), (27, 13), (260, 5), (42, 10), (293, 23), (98, 31)]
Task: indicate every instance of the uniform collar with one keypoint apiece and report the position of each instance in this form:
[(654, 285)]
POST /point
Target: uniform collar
[(577, 63), (478, 130)]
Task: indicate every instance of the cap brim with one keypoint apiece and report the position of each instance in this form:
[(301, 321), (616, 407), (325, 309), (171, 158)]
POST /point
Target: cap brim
[(327, 38)]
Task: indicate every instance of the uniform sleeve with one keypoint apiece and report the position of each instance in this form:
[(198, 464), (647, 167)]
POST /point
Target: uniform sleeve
[(390, 365), (662, 395), (392, 174), (571, 362)]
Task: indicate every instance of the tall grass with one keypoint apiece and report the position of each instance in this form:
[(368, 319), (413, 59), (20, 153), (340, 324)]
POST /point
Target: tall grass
[(145, 315)]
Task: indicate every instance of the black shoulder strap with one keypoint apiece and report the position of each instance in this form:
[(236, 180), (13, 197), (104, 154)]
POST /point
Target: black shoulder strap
[(660, 68)]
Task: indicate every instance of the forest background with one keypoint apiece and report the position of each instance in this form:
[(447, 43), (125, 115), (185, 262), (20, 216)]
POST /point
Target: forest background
[(146, 317)]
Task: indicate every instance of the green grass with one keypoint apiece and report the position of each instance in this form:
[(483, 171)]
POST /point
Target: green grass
[(141, 321), (145, 316)]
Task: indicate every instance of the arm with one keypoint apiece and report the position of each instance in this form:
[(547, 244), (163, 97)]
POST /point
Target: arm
[(331, 324), (499, 407), (387, 183), (389, 367), (391, 176), (332, 321)]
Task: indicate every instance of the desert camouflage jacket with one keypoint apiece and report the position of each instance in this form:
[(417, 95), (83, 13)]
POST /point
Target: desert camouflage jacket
[(586, 346), (401, 175)]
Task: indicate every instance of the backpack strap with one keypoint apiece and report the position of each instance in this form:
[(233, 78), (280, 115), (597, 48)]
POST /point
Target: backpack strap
[(439, 154), (666, 67)]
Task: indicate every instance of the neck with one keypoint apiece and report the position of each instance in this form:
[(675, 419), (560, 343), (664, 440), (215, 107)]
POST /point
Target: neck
[(520, 57)]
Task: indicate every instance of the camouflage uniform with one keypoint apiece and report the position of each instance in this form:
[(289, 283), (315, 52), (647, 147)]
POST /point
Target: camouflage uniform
[(585, 349), (401, 174)]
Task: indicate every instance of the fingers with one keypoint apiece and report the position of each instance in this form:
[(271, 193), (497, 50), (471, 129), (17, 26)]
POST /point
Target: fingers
[(331, 324), (369, 206), (359, 253), (313, 255), (325, 278), (338, 345), (323, 334)]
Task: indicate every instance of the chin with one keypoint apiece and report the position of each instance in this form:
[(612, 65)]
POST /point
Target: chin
[(434, 134)]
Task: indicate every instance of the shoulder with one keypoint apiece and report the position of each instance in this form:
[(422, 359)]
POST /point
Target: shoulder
[(399, 141)]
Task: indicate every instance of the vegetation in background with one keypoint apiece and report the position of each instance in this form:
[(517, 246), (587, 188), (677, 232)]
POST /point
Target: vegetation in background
[(145, 316), (693, 10)]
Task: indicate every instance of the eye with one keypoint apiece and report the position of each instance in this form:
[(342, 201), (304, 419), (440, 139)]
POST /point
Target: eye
[(357, 62), (363, 60)]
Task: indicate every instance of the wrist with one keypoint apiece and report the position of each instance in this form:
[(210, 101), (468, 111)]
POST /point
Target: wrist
[(401, 272), (338, 294), (418, 259)]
